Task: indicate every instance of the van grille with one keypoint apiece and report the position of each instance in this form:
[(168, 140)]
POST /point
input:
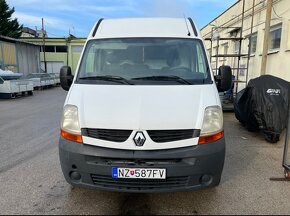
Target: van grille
[(107, 134), (139, 184), (132, 162), (162, 136)]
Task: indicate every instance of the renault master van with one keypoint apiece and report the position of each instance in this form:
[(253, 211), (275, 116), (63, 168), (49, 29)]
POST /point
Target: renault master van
[(143, 112)]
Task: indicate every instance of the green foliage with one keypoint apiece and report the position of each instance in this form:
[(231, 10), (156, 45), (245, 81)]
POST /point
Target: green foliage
[(8, 27)]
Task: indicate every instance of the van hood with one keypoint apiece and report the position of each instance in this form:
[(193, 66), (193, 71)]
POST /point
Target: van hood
[(142, 107)]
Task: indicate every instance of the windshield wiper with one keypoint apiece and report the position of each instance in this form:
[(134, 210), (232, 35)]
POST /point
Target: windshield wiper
[(165, 78), (109, 78)]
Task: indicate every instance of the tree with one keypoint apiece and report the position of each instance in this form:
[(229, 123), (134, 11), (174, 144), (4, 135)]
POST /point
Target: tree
[(8, 27)]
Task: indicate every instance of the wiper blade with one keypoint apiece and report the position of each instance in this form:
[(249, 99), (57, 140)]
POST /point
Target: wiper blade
[(165, 78), (110, 78)]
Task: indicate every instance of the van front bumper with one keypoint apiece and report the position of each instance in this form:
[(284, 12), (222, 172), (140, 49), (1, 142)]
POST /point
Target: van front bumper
[(187, 169)]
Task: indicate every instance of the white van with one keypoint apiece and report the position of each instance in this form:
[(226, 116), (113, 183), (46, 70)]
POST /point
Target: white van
[(143, 112)]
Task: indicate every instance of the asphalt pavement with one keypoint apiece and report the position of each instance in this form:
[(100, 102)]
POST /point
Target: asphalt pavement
[(32, 181)]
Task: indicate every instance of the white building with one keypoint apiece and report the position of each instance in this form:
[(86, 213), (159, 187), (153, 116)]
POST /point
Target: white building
[(229, 26)]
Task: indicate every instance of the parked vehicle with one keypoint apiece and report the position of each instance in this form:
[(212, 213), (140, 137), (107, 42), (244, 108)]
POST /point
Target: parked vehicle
[(40, 80), (263, 106), (12, 88), (143, 113), (56, 79)]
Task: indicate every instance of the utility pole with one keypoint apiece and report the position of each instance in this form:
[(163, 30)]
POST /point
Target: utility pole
[(266, 37), (43, 46), (250, 42)]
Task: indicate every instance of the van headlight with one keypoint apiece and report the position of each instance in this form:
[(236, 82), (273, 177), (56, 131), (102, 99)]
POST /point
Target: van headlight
[(70, 126), (70, 120), (212, 127)]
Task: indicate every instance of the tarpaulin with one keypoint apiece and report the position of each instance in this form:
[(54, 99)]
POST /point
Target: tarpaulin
[(263, 106)]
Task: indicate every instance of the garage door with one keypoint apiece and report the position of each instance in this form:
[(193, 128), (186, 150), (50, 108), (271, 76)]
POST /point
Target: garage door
[(52, 67)]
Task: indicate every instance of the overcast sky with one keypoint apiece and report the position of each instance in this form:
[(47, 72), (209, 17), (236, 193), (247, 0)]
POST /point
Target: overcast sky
[(78, 16)]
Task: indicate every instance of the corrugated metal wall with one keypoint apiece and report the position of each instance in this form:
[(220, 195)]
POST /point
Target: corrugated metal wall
[(28, 58)]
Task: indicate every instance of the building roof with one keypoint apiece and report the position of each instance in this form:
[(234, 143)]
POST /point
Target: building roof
[(143, 27), (29, 31), (50, 39), (13, 40)]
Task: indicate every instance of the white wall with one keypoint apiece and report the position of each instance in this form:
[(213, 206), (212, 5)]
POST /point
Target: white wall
[(52, 67), (279, 60)]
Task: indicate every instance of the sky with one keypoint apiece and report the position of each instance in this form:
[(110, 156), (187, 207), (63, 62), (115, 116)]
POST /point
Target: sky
[(77, 17)]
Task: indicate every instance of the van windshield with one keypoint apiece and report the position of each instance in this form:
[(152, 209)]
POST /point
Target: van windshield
[(144, 61)]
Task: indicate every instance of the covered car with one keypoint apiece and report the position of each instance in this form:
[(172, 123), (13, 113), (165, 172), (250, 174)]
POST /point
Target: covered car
[(263, 106)]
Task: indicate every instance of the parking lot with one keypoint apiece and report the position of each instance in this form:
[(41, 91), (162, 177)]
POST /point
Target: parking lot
[(32, 181)]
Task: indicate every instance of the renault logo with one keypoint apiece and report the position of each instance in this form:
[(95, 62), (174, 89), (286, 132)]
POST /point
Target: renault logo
[(139, 139)]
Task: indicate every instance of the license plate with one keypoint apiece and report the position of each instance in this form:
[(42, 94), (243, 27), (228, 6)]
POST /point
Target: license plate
[(130, 173)]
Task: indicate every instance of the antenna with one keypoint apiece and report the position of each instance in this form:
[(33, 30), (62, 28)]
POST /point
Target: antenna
[(189, 34)]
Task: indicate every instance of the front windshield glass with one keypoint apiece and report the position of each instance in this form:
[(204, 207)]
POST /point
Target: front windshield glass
[(144, 61)]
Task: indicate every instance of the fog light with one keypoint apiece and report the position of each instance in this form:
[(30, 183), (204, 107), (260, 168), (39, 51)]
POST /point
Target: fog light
[(206, 179), (75, 176)]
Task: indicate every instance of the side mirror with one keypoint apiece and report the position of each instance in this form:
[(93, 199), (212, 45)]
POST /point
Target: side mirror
[(66, 77), (224, 78), (1, 81)]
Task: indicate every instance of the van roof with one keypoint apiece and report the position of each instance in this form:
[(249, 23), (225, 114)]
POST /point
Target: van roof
[(143, 27)]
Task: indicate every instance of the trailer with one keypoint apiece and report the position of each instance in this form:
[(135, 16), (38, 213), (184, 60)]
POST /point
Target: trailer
[(56, 78), (13, 88), (41, 80)]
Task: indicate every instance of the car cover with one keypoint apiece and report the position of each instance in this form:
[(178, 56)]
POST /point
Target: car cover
[(263, 105)]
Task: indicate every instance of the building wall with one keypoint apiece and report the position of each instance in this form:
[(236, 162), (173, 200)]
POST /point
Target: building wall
[(278, 58), (54, 58), (8, 58)]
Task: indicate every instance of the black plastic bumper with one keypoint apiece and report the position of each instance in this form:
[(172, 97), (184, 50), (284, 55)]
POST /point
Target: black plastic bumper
[(187, 169)]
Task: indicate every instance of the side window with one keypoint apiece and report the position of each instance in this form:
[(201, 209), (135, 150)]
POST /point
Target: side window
[(200, 60), (90, 61)]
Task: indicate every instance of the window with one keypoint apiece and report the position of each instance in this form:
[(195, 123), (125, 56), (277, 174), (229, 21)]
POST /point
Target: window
[(237, 47), (254, 39), (235, 32), (53, 49), (200, 66), (275, 38), (152, 61), (49, 48), (61, 49)]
